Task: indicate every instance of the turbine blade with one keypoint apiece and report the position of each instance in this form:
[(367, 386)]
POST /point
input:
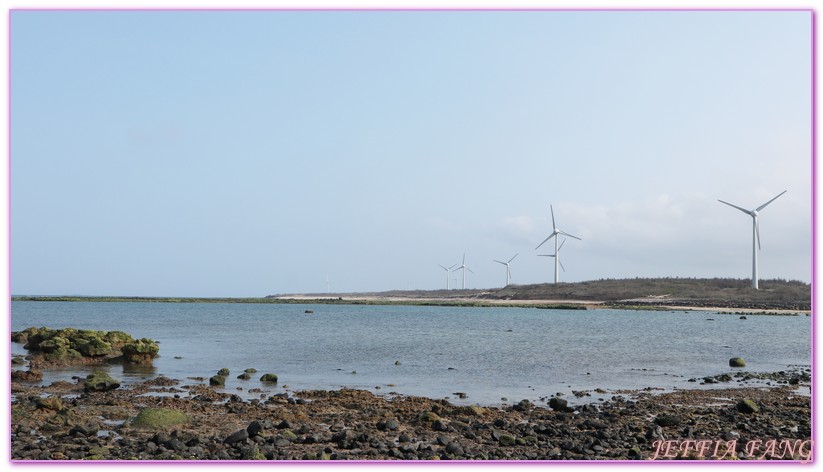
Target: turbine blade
[(469, 270), (569, 235), (561, 265), (452, 267), (546, 255), (544, 241), (735, 206), (442, 267), (554, 226), (513, 257), (495, 260), (561, 245), (773, 199)]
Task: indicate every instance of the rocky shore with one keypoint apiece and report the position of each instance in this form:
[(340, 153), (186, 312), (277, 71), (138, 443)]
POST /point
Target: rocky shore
[(161, 420)]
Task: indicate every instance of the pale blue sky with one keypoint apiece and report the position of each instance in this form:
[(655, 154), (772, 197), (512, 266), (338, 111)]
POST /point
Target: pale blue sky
[(252, 153)]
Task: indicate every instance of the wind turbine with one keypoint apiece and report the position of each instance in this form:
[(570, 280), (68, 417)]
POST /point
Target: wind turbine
[(555, 232), (508, 269), (464, 268), (755, 234), (557, 255), (447, 274)]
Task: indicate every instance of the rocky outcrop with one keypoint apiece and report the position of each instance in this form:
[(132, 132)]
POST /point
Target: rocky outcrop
[(71, 346)]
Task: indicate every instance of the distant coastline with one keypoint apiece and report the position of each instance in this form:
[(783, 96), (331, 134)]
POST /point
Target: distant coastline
[(722, 295)]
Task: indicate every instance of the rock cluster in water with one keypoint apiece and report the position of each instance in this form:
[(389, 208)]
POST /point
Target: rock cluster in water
[(70, 346)]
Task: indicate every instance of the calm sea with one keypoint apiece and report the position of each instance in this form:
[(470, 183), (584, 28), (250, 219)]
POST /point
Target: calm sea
[(487, 353)]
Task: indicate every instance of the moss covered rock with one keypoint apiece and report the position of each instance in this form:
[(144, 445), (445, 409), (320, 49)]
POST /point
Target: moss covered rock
[(141, 351), (224, 372), (269, 378), (217, 381), (747, 406), (737, 362), (99, 381), (244, 376), (71, 346), (156, 418)]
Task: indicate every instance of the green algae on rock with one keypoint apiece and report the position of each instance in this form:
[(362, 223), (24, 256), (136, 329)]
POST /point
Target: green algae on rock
[(155, 418), (71, 346)]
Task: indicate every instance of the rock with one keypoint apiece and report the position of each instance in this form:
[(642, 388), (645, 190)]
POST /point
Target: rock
[(154, 418), (428, 416), (558, 404), (667, 420), (27, 375), (747, 406), (522, 405), (52, 403), (99, 381), (737, 362), (237, 436), (439, 425), (506, 440), (743, 318), (141, 351), (392, 424), (244, 376), (269, 378), (217, 381), (250, 370), (396, 362), (254, 428)]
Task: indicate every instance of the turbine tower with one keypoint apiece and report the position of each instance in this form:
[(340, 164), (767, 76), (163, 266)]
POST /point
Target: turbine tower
[(464, 269), (556, 255), (755, 234), (555, 232), (447, 274), (508, 269)]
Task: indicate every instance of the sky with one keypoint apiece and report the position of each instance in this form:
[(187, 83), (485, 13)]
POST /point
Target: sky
[(228, 153)]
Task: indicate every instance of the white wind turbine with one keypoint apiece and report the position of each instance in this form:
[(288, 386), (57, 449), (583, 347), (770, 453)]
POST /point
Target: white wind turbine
[(556, 255), (447, 273), (464, 269), (755, 234), (508, 269), (555, 232)]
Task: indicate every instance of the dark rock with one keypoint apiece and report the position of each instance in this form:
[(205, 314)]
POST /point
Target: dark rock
[(254, 428), (237, 436), (217, 381), (558, 404), (667, 420), (224, 372), (747, 406), (269, 378)]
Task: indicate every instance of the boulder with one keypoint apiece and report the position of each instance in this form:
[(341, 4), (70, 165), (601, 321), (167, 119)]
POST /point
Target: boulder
[(27, 375), (667, 420), (269, 378), (244, 376), (99, 381), (217, 381), (558, 404), (141, 351), (155, 418), (747, 406), (737, 362), (224, 372)]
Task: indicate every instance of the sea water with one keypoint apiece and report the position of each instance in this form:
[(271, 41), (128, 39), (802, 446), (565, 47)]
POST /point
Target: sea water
[(487, 353)]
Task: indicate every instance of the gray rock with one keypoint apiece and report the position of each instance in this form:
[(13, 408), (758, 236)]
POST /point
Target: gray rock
[(236, 437)]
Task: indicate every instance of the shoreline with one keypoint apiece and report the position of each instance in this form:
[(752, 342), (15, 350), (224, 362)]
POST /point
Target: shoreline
[(650, 304), (353, 424)]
